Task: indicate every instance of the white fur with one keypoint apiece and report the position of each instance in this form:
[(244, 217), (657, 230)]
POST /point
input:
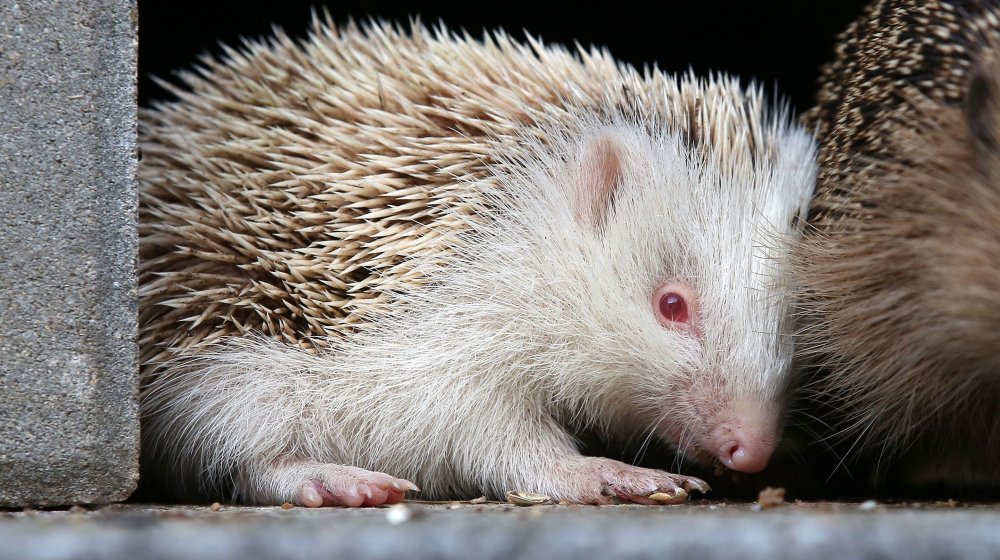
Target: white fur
[(539, 325)]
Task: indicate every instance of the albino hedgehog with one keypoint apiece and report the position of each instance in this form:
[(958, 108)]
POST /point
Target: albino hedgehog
[(378, 258)]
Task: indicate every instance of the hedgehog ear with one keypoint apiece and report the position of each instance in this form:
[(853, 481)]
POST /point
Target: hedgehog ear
[(982, 115), (598, 177), (981, 109)]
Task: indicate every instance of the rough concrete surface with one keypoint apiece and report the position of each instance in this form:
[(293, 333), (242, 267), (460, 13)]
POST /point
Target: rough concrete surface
[(814, 531), (68, 373)]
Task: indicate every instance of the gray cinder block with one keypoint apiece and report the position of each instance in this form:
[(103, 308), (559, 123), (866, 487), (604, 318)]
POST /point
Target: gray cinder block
[(68, 369), (498, 532)]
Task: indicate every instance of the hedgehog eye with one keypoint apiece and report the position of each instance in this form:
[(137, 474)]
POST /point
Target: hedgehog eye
[(674, 308)]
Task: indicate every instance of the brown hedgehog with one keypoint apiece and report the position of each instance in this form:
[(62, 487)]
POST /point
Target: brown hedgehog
[(378, 258), (900, 271)]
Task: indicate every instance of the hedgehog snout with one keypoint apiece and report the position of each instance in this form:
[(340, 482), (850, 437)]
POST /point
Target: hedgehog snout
[(744, 442)]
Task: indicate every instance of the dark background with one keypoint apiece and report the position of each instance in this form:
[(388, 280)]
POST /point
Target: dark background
[(780, 43)]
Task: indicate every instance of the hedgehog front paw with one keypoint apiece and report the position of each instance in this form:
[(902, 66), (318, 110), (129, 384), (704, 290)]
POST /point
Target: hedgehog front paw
[(603, 481), (325, 484)]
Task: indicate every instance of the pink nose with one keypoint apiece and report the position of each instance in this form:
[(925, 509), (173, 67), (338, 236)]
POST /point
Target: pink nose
[(742, 451)]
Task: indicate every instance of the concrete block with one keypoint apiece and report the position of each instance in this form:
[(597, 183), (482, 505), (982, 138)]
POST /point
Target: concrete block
[(68, 368), (500, 532)]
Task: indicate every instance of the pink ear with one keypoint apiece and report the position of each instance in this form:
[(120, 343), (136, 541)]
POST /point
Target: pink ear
[(598, 177)]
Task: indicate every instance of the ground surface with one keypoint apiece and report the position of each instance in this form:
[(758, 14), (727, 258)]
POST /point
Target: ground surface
[(700, 529)]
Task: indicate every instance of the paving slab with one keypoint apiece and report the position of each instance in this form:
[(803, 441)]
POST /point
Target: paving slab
[(68, 369), (705, 530)]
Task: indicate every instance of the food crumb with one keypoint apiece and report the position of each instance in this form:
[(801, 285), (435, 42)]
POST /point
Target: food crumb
[(522, 498), (868, 505), (287, 505), (216, 506), (770, 497), (479, 500)]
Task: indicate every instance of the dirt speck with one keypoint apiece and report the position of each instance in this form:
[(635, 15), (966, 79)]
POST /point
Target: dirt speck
[(771, 497)]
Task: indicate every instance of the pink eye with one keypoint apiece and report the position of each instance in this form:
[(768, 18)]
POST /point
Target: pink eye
[(676, 307), (673, 308)]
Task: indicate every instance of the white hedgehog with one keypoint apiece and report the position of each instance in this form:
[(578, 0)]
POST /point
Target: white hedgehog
[(381, 256)]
